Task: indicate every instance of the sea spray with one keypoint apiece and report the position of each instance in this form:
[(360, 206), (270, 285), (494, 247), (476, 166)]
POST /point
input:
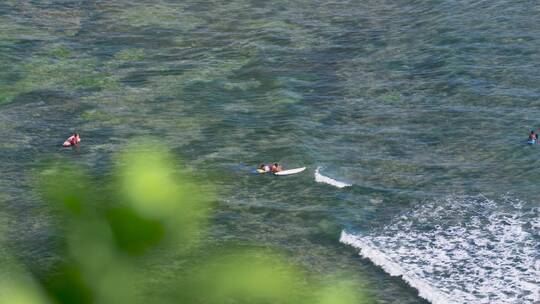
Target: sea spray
[(491, 257), (368, 251)]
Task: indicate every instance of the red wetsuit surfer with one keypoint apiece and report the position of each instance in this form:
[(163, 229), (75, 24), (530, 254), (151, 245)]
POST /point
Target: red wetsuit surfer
[(73, 140)]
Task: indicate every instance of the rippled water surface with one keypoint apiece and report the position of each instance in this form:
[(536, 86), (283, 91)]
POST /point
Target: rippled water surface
[(418, 105)]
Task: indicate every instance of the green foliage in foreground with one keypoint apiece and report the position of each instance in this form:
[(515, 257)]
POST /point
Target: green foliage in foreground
[(113, 239)]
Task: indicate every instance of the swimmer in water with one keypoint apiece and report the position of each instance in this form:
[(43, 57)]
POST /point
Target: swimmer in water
[(533, 136), (73, 140)]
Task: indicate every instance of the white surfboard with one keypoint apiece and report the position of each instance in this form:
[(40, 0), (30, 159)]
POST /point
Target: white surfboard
[(290, 171)]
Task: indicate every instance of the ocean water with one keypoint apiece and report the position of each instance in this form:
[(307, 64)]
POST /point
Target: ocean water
[(421, 108)]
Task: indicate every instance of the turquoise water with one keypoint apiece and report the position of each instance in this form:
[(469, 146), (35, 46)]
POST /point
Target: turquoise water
[(417, 104)]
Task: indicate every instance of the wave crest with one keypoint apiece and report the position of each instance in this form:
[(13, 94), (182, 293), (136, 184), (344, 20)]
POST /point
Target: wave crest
[(319, 178), (461, 250)]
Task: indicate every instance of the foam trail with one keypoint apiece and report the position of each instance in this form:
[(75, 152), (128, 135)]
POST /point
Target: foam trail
[(378, 258), (319, 178), (461, 250)]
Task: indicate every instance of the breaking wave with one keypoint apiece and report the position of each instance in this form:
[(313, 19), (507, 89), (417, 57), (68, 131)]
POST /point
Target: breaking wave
[(319, 178), (461, 250)]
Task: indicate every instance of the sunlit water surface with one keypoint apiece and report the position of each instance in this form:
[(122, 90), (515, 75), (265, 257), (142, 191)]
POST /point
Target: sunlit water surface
[(422, 107)]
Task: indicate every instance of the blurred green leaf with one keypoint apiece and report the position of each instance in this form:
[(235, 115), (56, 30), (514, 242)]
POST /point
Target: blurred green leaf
[(338, 293), (21, 291), (133, 233), (118, 233), (66, 285), (151, 186), (65, 188), (250, 277)]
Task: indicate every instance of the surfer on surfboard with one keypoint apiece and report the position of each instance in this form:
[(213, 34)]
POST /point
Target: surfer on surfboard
[(276, 168), (264, 168)]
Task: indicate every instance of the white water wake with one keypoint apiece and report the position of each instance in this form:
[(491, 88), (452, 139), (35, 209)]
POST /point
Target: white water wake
[(461, 250), (319, 178)]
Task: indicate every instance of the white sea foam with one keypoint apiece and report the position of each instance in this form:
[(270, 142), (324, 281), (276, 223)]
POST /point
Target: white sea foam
[(461, 250), (319, 178)]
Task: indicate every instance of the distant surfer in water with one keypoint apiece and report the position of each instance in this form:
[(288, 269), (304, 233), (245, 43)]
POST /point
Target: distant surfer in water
[(73, 140), (533, 137), (263, 168)]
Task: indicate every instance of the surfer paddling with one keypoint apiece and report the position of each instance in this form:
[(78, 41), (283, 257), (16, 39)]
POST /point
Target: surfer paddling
[(276, 168), (73, 140), (264, 168)]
